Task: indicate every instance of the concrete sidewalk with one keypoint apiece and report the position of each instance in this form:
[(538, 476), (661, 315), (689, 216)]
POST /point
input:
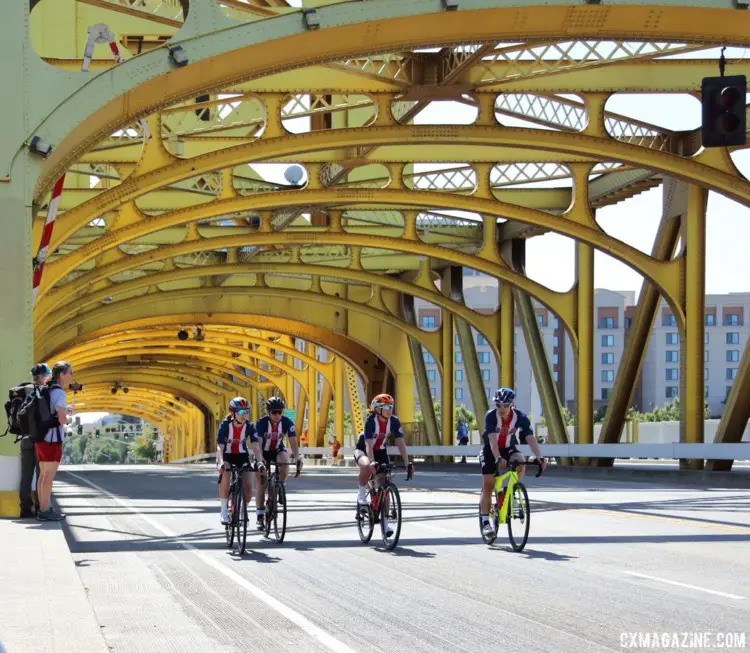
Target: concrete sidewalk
[(43, 604)]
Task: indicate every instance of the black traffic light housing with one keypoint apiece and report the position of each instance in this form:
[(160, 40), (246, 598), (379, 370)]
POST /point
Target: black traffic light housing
[(724, 119)]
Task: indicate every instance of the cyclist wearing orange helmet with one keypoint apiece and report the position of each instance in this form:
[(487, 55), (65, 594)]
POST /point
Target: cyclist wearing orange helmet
[(371, 445)]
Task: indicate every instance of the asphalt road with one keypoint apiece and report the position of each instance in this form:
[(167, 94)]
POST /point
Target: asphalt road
[(608, 567)]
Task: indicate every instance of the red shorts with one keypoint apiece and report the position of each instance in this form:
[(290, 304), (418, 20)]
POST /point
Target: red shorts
[(48, 452)]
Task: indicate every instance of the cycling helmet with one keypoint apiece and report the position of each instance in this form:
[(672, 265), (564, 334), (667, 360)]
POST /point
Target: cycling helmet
[(504, 396), (275, 403), (40, 368), (239, 404), (382, 401)]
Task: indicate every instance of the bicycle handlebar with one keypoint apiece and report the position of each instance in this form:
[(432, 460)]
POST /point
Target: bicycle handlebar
[(513, 464)]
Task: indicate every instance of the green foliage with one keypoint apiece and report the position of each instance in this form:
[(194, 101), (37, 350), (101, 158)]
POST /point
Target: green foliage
[(109, 450), (144, 447), (348, 427), (666, 413), (460, 412), (568, 418)]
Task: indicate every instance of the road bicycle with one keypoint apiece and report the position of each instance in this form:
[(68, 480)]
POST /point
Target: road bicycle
[(236, 529), (381, 501), (275, 502), (511, 506)]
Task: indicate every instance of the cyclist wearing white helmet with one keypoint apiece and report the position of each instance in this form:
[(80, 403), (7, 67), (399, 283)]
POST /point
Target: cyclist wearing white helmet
[(235, 439), (501, 425)]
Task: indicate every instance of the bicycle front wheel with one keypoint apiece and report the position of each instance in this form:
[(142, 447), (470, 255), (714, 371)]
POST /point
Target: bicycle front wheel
[(519, 517), (279, 514), (365, 520), (270, 507), (393, 515), (242, 524), (229, 528)]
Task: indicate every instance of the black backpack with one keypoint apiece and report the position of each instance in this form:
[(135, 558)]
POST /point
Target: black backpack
[(35, 415), (16, 398)]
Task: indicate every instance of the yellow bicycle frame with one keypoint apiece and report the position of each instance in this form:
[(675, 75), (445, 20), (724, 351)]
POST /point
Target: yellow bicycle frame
[(512, 477)]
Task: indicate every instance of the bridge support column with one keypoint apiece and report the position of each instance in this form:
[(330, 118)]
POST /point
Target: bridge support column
[(507, 336), (584, 424), (516, 257), (736, 412), (338, 399), (325, 407), (634, 353), (446, 381), (692, 360), (312, 399), (420, 377), (453, 287), (18, 172)]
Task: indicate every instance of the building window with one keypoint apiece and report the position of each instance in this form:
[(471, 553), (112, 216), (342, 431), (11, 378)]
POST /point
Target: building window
[(608, 376), (733, 338), (432, 375), (555, 323), (555, 376), (673, 356), (607, 323), (710, 319), (432, 392), (731, 373), (555, 341), (488, 392), (459, 376), (673, 373), (484, 357), (705, 356), (733, 355), (669, 320), (671, 392), (540, 320), (457, 342), (705, 391), (608, 358), (459, 358), (673, 339), (628, 322), (732, 320), (459, 394), (428, 321), (705, 338), (481, 340), (555, 359), (705, 374), (608, 341), (429, 359), (485, 375), (605, 393)]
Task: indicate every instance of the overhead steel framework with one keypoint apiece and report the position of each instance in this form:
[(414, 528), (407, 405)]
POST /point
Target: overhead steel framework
[(283, 199)]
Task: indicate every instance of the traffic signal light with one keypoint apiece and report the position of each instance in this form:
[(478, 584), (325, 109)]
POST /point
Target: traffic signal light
[(80, 429), (724, 120), (97, 433)]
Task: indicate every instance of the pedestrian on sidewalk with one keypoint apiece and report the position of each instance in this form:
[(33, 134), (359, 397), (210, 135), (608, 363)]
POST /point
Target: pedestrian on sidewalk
[(27, 494), (462, 435), (49, 452)]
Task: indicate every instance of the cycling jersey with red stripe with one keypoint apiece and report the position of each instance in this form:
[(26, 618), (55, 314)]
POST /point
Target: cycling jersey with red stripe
[(506, 429), (377, 429), (273, 434), (233, 438)]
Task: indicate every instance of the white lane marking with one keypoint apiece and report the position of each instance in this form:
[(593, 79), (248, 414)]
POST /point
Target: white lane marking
[(317, 633), (692, 587)]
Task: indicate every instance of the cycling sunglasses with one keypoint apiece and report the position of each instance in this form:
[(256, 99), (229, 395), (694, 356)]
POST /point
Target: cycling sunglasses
[(242, 411), (275, 412), (380, 405), (504, 405)]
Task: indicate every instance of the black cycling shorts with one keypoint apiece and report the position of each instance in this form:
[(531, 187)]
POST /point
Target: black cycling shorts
[(381, 455), (237, 459), (270, 455), (488, 462)]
